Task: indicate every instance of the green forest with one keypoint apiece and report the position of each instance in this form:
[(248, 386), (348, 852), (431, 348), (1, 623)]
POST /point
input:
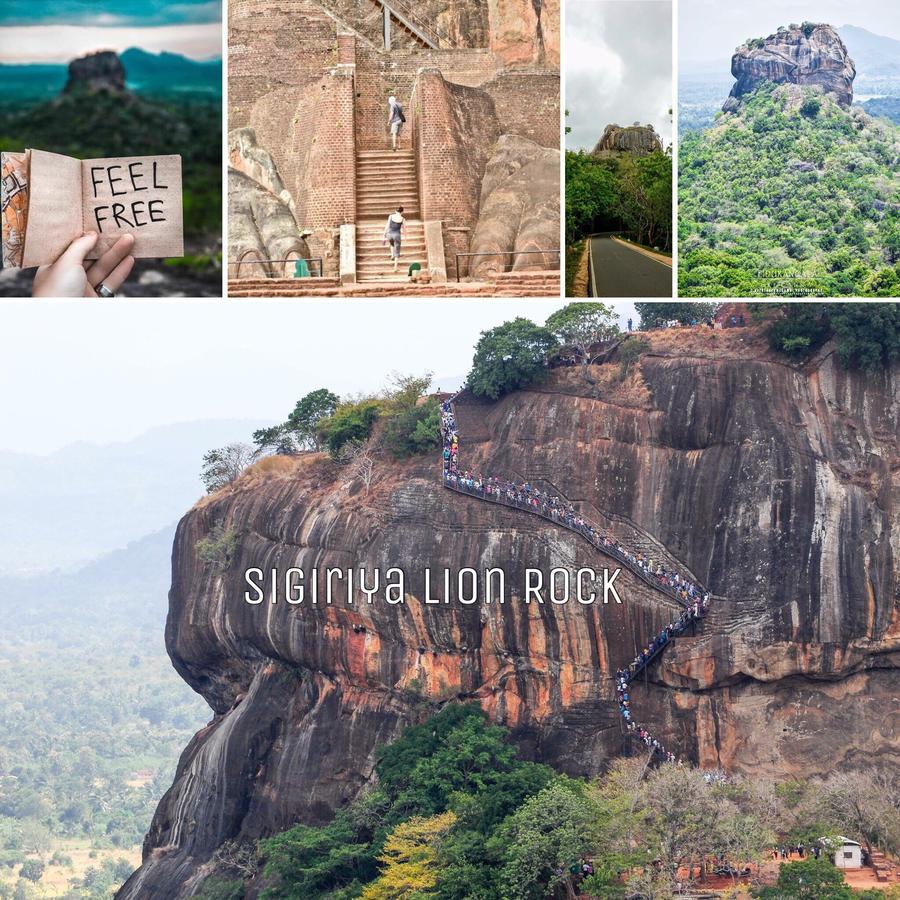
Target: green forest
[(456, 813), (626, 193), (92, 722), (790, 198)]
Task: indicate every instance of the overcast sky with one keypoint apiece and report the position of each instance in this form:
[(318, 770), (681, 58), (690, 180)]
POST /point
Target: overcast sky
[(618, 62), (711, 29), (59, 30), (104, 372)]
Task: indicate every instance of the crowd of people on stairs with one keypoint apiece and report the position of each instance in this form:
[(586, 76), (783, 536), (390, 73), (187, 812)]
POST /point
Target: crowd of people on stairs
[(526, 496)]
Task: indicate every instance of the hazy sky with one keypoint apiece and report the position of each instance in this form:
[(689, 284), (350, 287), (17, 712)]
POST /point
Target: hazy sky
[(710, 29), (104, 372), (618, 67), (59, 30)]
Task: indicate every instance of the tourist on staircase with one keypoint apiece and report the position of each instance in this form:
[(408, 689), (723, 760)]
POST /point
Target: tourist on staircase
[(393, 233), (693, 598), (396, 120)]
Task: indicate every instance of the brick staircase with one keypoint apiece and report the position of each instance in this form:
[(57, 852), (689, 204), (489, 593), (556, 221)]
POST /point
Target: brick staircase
[(885, 870), (527, 283), (386, 179), (273, 287)]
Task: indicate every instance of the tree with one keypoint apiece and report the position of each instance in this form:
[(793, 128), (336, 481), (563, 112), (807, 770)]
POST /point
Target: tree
[(816, 879), (410, 858), (546, 839), (630, 351), (351, 421), (223, 465), (359, 458), (656, 315), (865, 804), (275, 439), (310, 410), (583, 327), (509, 357), (32, 869), (413, 430)]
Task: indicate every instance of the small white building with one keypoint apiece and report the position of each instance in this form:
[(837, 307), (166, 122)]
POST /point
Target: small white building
[(848, 854)]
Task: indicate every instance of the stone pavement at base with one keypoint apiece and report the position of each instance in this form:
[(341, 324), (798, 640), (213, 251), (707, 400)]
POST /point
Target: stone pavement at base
[(508, 284)]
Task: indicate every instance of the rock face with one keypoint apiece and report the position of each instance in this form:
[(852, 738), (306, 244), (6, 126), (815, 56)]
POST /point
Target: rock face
[(519, 208), (772, 485), (806, 55), (639, 140), (101, 71)]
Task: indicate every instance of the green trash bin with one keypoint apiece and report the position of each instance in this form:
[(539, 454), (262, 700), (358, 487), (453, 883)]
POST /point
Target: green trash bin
[(301, 269)]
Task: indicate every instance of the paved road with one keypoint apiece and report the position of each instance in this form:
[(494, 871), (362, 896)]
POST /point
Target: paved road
[(620, 271)]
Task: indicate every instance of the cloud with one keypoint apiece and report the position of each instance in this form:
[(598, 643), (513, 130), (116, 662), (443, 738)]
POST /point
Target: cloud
[(618, 67), (61, 43), (108, 13)]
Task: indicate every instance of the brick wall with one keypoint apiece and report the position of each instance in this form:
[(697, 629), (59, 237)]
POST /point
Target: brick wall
[(274, 44), (379, 73), (527, 104)]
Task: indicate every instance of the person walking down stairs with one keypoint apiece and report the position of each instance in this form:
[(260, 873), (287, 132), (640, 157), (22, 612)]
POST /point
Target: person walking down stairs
[(393, 234), (396, 120)]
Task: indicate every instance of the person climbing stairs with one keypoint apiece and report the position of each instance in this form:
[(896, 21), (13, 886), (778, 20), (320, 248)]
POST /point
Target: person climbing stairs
[(386, 179)]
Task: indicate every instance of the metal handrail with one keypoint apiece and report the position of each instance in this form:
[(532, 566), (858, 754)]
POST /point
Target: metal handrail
[(434, 34), (502, 253), (312, 259), (585, 532)]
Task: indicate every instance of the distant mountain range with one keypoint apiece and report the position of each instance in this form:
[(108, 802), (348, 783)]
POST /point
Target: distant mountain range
[(156, 74), (63, 510)]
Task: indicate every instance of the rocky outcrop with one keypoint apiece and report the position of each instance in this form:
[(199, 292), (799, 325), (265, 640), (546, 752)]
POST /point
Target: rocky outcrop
[(519, 208), (808, 55), (772, 485), (95, 72), (638, 140)]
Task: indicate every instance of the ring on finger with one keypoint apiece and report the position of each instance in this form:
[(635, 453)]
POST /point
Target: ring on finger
[(104, 291)]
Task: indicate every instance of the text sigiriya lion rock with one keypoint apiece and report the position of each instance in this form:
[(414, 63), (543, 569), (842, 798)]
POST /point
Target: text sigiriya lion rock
[(771, 484)]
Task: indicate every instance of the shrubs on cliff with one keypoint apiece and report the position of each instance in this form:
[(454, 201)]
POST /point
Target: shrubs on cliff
[(223, 465), (300, 431), (510, 357), (866, 335), (793, 197)]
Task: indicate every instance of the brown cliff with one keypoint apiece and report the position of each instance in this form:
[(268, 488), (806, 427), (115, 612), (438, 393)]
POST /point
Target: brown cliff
[(772, 484), (809, 55)]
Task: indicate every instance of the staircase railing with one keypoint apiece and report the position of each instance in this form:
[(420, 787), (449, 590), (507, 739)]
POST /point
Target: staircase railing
[(586, 531), (695, 606), (432, 35)]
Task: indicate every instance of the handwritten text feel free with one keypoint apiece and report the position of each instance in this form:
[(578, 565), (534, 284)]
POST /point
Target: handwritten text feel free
[(136, 209)]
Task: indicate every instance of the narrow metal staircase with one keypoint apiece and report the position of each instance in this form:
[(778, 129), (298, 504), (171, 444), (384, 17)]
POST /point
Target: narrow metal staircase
[(386, 179)]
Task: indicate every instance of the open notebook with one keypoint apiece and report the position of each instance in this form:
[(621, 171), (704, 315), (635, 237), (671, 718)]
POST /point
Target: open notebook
[(48, 200)]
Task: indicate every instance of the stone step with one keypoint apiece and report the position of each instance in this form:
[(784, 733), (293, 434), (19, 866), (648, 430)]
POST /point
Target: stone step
[(388, 186), (385, 154)]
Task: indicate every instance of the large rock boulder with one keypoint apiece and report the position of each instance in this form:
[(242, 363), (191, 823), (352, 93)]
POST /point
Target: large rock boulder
[(639, 140), (95, 72), (773, 485), (806, 55)]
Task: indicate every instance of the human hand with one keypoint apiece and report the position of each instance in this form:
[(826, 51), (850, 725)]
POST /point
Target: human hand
[(74, 276)]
